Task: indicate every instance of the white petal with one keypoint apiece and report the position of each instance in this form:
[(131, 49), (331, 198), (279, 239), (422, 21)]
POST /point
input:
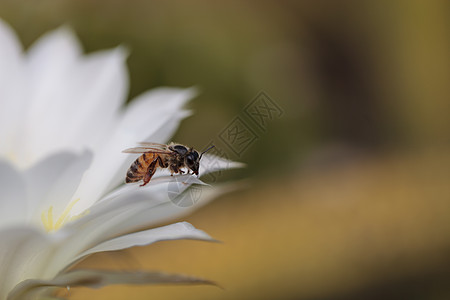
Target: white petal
[(11, 91), (104, 220), (107, 217), (168, 210), (53, 181), (182, 230), (157, 188), (85, 98), (212, 163), (22, 253), (13, 196), (99, 89), (41, 176), (146, 112), (145, 116), (117, 217), (98, 279), (53, 47), (127, 198), (95, 227), (50, 64), (131, 212)]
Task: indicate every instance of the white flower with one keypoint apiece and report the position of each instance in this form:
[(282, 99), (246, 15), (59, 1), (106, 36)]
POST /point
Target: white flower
[(62, 130)]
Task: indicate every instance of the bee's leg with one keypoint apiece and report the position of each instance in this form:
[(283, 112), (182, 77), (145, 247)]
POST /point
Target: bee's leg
[(173, 169), (161, 163), (150, 171), (176, 169)]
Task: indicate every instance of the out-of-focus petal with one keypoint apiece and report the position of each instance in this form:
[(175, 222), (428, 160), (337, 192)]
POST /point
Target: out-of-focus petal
[(54, 180), (50, 64), (11, 91), (145, 113), (55, 47), (99, 89), (10, 64), (41, 176), (23, 252), (98, 279), (13, 196)]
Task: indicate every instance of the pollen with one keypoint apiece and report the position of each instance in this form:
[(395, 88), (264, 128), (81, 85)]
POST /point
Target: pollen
[(52, 224)]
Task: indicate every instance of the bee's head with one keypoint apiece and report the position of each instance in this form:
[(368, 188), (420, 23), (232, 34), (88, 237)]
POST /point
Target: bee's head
[(192, 160)]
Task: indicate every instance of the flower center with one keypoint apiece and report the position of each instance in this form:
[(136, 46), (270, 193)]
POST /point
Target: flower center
[(52, 224), (12, 156)]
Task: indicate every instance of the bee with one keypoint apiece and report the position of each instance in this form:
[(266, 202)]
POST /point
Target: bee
[(172, 156)]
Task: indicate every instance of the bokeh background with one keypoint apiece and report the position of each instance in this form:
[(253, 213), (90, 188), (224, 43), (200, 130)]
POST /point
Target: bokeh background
[(347, 193)]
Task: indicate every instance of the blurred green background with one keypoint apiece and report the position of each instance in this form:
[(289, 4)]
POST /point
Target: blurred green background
[(350, 194)]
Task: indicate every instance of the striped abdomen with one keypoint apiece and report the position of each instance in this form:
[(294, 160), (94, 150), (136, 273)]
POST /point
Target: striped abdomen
[(139, 167)]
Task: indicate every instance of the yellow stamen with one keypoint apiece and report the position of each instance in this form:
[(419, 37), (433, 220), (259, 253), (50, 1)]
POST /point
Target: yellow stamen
[(50, 216), (44, 220), (47, 219)]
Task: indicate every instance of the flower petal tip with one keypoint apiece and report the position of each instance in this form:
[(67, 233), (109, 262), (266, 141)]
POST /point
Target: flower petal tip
[(124, 50), (236, 164)]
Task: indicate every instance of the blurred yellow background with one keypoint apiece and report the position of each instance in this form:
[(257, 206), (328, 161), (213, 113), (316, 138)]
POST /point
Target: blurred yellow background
[(350, 196)]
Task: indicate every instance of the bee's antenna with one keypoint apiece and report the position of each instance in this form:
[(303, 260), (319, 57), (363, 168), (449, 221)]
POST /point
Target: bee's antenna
[(206, 151)]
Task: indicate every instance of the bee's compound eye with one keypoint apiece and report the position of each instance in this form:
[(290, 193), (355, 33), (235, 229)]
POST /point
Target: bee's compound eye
[(190, 159), (195, 155)]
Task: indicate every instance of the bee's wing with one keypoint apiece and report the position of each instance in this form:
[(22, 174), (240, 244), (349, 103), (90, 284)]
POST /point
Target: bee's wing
[(153, 145), (146, 150)]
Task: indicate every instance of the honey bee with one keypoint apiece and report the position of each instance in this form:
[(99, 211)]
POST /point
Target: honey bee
[(172, 156)]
